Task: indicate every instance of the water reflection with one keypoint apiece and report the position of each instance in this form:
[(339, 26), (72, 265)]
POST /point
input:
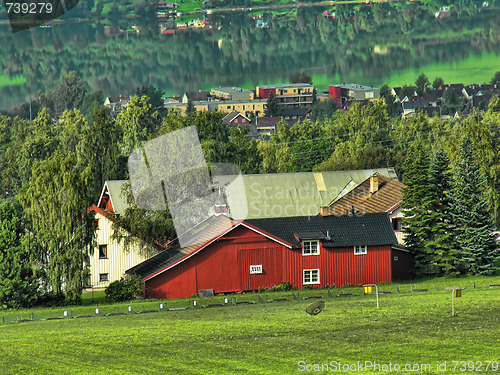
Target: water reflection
[(363, 44)]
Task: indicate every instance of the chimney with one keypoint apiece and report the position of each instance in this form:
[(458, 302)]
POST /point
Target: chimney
[(323, 211), (373, 184)]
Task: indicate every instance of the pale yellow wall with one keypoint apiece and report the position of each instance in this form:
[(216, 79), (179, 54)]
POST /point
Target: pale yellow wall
[(242, 107), (117, 262), (290, 91)]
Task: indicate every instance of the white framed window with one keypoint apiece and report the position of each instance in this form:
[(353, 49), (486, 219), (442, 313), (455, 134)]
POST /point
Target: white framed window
[(358, 250), (255, 269), (310, 247), (310, 276)]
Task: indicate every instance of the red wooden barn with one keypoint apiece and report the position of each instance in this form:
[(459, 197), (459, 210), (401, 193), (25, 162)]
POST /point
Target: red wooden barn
[(246, 255)]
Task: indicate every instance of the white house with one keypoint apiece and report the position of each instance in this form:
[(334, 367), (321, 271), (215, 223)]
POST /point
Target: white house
[(109, 260)]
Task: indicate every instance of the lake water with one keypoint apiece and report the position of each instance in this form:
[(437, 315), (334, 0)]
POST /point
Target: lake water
[(372, 45)]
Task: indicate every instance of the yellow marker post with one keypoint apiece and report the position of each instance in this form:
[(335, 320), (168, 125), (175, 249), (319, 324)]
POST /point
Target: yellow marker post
[(455, 293), (369, 286)]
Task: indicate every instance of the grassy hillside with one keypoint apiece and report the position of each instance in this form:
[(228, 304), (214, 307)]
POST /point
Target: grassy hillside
[(265, 338)]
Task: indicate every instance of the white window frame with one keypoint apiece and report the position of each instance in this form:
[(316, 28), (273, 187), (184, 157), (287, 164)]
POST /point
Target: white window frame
[(255, 269), (310, 252), (360, 250), (309, 272)]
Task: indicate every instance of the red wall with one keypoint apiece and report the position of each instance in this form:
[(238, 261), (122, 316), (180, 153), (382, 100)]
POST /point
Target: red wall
[(264, 93), (224, 266), (334, 93)]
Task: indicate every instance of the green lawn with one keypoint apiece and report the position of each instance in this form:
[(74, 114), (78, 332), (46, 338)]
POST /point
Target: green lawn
[(474, 69), (6, 81), (264, 338)]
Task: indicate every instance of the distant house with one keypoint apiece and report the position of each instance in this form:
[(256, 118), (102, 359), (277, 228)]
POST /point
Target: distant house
[(377, 193), (412, 107), (166, 5), (290, 94), (341, 93), (232, 93), (109, 261), (113, 101), (306, 251), (294, 115), (196, 96), (267, 125), (235, 119)]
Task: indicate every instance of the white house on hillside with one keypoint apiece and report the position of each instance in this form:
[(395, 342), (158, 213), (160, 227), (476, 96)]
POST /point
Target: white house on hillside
[(109, 260)]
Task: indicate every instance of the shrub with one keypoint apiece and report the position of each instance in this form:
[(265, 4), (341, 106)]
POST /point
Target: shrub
[(283, 287), (124, 289)]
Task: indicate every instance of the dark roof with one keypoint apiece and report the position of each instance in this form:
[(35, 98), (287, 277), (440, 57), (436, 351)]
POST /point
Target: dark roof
[(267, 121), (333, 231), (300, 111), (338, 231), (416, 104), (198, 96)]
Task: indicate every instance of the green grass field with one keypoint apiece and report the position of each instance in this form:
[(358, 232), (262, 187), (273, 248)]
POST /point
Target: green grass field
[(265, 338), (6, 81)]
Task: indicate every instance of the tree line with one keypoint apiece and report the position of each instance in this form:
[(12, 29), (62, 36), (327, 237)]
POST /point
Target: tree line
[(52, 171)]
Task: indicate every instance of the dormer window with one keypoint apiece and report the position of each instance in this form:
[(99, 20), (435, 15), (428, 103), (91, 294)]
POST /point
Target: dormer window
[(310, 247)]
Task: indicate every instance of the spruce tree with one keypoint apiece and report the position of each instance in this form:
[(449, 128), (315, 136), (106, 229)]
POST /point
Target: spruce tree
[(272, 106), (471, 215), (417, 218), (441, 244)]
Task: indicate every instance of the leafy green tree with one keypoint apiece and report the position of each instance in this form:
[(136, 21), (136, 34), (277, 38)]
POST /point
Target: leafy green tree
[(393, 108), (99, 149), (418, 217), (494, 105), (356, 132), (91, 101), (136, 122), (154, 94), (471, 215), (422, 83), (275, 153), (272, 106), (56, 201), (19, 286), (300, 77), (322, 109), (124, 289), (151, 231), (242, 150), (407, 91), (69, 94), (496, 78), (438, 82), (36, 141), (70, 127)]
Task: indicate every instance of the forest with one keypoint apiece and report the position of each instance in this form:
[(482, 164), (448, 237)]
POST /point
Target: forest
[(51, 172)]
